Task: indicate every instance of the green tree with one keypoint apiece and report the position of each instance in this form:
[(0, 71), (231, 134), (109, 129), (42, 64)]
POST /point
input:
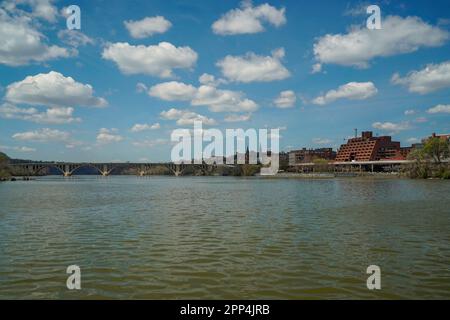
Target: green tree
[(4, 171), (436, 149)]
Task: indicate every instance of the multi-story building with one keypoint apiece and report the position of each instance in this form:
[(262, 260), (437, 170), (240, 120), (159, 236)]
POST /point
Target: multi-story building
[(309, 155), (440, 136), (370, 148)]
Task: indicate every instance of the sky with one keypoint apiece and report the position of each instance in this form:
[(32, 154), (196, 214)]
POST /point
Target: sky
[(136, 70)]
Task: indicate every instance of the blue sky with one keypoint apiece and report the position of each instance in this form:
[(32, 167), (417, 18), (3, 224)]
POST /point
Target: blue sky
[(88, 89)]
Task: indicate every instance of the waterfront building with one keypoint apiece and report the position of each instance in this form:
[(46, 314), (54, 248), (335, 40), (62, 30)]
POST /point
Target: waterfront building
[(370, 148), (309, 155), (440, 136)]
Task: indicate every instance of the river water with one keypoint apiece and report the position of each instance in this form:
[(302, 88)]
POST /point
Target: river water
[(224, 238)]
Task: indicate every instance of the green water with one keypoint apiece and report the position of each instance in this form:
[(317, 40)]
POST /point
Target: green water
[(224, 238)]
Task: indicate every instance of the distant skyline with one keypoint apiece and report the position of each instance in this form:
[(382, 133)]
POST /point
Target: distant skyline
[(114, 90)]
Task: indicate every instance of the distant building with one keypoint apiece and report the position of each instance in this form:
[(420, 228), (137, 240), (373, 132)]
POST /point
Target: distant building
[(370, 148), (441, 136), (309, 155)]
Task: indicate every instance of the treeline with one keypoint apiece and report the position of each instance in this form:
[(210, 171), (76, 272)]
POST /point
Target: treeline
[(5, 173), (431, 161)]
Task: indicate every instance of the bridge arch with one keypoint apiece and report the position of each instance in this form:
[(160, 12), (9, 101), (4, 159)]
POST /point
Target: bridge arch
[(47, 166)]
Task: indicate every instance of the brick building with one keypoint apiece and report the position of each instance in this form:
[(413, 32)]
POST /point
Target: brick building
[(370, 148), (309, 155)]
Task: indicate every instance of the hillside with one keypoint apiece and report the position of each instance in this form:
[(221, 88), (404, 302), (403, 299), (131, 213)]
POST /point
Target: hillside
[(3, 157)]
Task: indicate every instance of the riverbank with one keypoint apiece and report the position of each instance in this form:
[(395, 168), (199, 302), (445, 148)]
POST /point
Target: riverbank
[(378, 175)]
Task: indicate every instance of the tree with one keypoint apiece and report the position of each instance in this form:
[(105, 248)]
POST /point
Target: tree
[(437, 149), (429, 160), (4, 172)]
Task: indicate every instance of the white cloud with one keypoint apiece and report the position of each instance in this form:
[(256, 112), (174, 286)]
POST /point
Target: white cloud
[(249, 19), (360, 45), (157, 60), (43, 9), (216, 99), (440, 108), (223, 100), (186, 117), (238, 117), (254, 68), (43, 135), (173, 91), (286, 99), (210, 80), (390, 126), (74, 38), (55, 115), (144, 127), (52, 89), (410, 112), (316, 68), (432, 78), (141, 87), (22, 44), (106, 136), (147, 27), (351, 91)]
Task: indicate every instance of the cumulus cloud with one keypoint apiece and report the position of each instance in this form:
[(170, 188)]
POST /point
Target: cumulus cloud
[(74, 38), (145, 127), (173, 91), (106, 136), (55, 115), (249, 19), (286, 99), (238, 117), (210, 80), (440, 108), (156, 60), (219, 100), (409, 112), (186, 117), (43, 135), (390, 126), (360, 45), (147, 27), (53, 89), (22, 44), (432, 78), (254, 68), (215, 99), (42, 9), (351, 91)]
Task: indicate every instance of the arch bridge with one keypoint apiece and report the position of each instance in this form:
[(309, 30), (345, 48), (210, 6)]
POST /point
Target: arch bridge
[(68, 169)]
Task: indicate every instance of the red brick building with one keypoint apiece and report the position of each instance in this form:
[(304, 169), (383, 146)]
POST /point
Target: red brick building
[(370, 148), (309, 155)]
